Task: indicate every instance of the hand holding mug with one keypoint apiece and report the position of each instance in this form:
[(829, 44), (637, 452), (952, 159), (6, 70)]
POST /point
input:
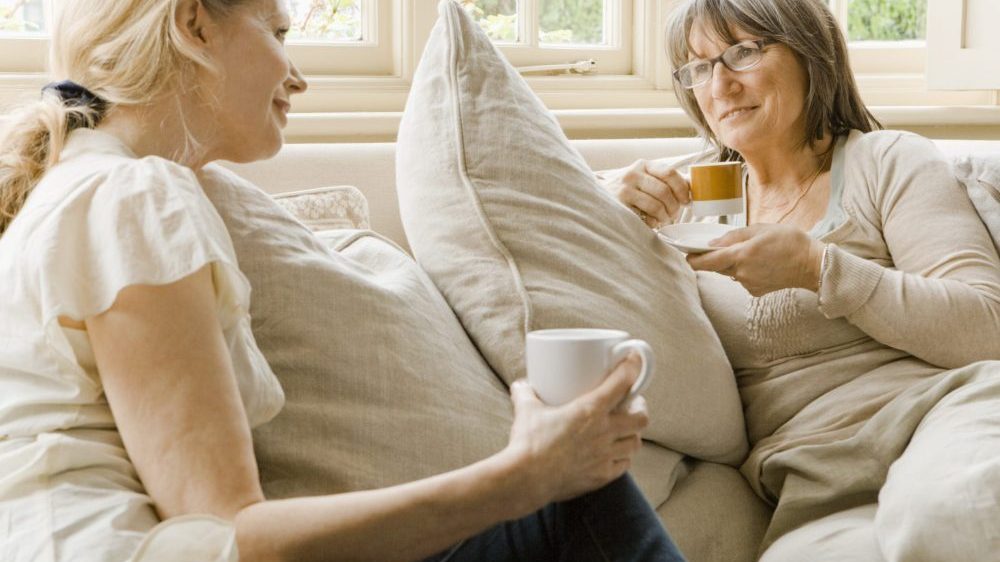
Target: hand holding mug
[(568, 450), (653, 188)]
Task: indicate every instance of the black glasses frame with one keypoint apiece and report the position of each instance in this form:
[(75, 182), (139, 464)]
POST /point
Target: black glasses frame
[(760, 43)]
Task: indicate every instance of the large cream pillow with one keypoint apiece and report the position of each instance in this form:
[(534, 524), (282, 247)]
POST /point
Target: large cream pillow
[(382, 385), (509, 222)]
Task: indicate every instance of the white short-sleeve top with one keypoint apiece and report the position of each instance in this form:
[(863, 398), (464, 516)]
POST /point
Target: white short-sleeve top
[(101, 220)]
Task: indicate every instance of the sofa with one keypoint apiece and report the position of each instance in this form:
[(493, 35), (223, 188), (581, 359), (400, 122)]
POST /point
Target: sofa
[(708, 507)]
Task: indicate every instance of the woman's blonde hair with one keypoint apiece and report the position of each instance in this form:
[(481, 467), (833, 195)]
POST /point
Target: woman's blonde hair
[(127, 52), (807, 27)]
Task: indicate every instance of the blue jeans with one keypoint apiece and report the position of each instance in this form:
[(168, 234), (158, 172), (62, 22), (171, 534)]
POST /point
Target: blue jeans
[(608, 525)]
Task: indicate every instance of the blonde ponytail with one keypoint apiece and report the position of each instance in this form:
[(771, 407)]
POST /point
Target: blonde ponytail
[(31, 142)]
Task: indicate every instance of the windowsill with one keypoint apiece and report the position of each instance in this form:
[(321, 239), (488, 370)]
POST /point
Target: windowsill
[(933, 121)]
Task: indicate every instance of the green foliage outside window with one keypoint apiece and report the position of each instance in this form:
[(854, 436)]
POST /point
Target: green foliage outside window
[(886, 20), (559, 21), (337, 20), (21, 15)]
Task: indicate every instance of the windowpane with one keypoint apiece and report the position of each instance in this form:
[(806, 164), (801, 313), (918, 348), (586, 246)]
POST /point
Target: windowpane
[(497, 17), (886, 20), (325, 20), (22, 16), (579, 22)]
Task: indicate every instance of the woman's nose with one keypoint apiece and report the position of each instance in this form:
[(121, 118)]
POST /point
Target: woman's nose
[(296, 83), (723, 80)]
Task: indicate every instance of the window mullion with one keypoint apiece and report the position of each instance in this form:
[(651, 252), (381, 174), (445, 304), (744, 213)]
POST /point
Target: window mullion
[(839, 9), (527, 18)]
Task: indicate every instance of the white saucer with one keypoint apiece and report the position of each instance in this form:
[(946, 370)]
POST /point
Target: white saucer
[(693, 237)]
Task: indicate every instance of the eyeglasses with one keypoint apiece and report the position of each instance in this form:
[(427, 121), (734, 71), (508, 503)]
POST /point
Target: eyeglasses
[(739, 57)]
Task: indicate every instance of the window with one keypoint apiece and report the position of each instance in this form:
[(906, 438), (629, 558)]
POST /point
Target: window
[(344, 37), (546, 32)]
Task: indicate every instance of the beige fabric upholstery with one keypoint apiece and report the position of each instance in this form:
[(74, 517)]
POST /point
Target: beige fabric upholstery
[(714, 516), (382, 384), (844, 536), (510, 224)]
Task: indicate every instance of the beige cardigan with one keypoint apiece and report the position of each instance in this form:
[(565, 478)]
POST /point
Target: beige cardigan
[(834, 385)]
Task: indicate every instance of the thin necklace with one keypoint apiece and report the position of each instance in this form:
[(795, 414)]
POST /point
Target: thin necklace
[(812, 182)]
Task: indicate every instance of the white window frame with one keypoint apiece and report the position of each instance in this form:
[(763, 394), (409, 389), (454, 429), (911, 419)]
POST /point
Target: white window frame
[(362, 87), (374, 55), (964, 54), (613, 58)]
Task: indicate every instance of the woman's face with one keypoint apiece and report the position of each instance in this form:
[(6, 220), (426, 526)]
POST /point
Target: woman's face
[(756, 108), (257, 81)]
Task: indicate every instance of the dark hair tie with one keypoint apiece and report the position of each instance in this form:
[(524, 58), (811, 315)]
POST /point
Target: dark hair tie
[(75, 95)]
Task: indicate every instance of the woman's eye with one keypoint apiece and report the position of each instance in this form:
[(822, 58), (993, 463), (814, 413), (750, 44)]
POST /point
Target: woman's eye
[(281, 34)]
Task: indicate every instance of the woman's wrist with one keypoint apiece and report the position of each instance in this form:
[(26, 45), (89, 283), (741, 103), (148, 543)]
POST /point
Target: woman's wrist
[(817, 257), (522, 489)]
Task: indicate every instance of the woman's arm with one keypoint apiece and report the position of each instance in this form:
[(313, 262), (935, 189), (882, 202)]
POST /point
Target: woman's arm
[(941, 300), (171, 387)]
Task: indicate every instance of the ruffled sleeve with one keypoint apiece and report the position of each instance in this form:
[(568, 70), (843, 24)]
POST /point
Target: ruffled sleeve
[(139, 222)]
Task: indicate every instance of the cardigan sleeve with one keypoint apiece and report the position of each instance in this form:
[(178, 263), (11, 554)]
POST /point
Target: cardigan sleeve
[(940, 298)]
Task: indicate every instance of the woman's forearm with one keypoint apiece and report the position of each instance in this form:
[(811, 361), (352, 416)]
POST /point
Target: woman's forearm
[(405, 522)]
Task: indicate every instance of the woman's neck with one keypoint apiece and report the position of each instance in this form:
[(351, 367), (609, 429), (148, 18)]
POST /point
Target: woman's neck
[(158, 130), (780, 172)]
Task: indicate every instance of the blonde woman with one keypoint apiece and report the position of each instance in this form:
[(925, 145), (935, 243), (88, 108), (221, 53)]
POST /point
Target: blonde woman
[(860, 305), (129, 378)]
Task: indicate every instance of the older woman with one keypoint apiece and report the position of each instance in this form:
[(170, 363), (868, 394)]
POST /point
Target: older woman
[(859, 306), (130, 379)]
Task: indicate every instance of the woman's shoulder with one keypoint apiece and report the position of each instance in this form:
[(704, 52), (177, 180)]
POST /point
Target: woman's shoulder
[(879, 147)]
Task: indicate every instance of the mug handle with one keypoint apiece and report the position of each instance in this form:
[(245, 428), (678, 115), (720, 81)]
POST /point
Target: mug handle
[(621, 350)]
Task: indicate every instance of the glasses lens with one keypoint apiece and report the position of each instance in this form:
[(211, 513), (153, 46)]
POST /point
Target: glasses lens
[(742, 56), (695, 73)]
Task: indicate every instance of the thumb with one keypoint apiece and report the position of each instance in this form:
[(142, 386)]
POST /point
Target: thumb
[(522, 395), (734, 236)]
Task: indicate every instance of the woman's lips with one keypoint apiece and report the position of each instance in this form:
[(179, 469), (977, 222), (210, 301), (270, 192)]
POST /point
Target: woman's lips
[(734, 113)]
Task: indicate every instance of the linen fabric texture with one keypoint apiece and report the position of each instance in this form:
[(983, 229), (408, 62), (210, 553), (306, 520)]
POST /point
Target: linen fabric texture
[(382, 384), (99, 221), (510, 223), (980, 175)]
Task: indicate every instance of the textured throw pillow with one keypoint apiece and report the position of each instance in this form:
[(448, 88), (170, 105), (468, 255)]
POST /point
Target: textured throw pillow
[(382, 385), (509, 222), (327, 208), (981, 177)]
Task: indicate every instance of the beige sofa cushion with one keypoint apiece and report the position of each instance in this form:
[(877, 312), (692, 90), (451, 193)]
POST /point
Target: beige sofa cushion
[(714, 516), (382, 384), (508, 221)]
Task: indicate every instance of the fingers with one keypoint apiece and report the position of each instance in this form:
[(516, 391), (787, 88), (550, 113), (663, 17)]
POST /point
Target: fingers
[(625, 425), (616, 386), (732, 237), (522, 395), (638, 198), (654, 188), (624, 448), (664, 170)]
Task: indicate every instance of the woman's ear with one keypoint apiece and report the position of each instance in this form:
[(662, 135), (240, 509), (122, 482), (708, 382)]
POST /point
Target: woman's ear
[(194, 22)]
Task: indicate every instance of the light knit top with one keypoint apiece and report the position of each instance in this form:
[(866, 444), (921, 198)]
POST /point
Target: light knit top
[(833, 385), (99, 221)]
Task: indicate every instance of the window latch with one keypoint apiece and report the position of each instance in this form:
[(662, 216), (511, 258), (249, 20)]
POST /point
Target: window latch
[(588, 66)]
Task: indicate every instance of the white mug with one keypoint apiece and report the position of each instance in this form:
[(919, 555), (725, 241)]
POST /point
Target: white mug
[(566, 363)]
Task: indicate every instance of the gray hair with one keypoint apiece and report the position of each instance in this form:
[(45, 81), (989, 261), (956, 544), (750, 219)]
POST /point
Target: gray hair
[(807, 27)]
